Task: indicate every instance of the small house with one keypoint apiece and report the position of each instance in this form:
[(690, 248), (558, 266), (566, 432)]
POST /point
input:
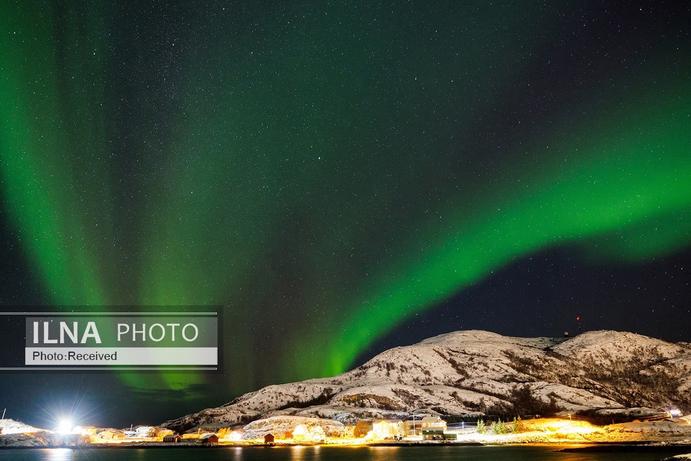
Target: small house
[(172, 438), (411, 427), (269, 439), (208, 439), (433, 428)]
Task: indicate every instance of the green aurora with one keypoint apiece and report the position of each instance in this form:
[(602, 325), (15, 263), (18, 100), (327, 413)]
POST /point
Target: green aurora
[(333, 174)]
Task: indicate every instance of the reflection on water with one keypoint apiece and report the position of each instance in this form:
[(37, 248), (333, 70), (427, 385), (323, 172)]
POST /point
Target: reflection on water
[(384, 453), (302, 453), (438, 453), (59, 454), (297, 454)]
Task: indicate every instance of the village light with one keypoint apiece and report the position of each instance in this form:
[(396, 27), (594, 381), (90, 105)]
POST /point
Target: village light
[(300, 432), (568, 427), (65, 426)]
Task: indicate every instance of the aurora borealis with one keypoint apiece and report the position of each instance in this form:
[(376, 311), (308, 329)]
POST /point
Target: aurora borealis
[(330, 171)]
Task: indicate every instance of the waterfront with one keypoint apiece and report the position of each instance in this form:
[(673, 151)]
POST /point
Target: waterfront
[(441, 453)]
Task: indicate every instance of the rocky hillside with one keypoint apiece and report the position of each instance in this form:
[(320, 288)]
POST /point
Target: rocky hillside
[(17, 434), (473, 373), (10, 426)]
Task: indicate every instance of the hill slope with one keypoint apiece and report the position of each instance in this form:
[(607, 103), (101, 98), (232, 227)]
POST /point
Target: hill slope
[(474, 373)]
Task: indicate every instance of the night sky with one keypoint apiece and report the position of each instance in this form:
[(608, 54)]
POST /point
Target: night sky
[(343, 177)]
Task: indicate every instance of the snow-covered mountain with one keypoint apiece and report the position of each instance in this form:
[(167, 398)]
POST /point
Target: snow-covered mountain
[(474, 373), (10, 426)]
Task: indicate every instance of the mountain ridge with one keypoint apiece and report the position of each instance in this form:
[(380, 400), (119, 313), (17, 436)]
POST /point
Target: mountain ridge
[(475, 373)]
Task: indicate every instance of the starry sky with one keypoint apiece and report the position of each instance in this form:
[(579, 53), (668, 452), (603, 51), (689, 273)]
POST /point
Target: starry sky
[(342, 177)]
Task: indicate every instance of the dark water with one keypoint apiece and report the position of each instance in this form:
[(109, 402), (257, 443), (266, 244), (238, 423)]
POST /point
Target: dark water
[(520, 453)]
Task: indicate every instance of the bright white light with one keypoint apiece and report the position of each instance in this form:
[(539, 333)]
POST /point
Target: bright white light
[(65, 426), (675, 412), (235, 436)]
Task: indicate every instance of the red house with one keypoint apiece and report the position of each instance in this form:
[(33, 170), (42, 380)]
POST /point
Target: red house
[(209, 439), (269, 439)]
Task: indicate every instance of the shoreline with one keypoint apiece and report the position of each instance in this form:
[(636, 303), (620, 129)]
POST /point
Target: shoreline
[(567, 447)]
